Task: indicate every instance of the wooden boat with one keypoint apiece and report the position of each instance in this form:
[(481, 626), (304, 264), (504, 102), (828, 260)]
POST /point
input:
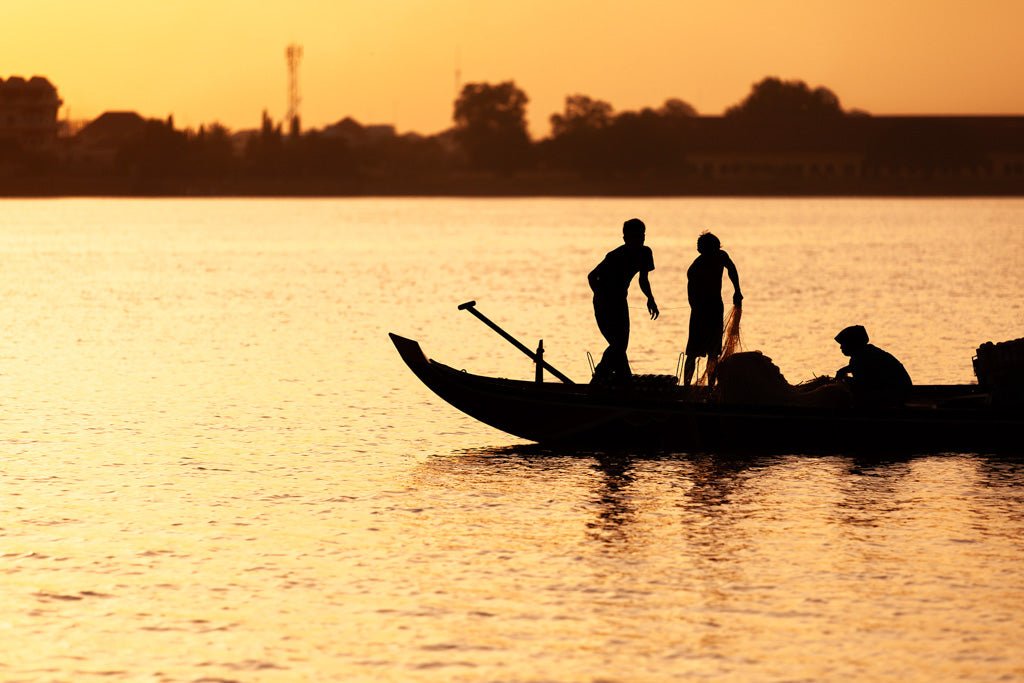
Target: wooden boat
[(937, 418)]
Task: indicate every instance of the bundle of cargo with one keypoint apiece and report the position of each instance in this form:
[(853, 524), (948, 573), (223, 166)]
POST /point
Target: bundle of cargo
[(1000, 371)]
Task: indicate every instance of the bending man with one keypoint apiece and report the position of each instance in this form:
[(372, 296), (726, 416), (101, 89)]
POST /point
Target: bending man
[(610, 283)]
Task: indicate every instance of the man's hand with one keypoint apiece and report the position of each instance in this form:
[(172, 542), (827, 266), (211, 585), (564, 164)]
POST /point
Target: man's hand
[(652, 308), (737, 299)]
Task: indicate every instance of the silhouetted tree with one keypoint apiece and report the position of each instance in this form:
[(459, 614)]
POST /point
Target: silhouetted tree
[(490, 126), (211, 151), (641, 141), (588, 139), (581, 114), (676, 108), (578, 135), (264, 153), (774, 100)]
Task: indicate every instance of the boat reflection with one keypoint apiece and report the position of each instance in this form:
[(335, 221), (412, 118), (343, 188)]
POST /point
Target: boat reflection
[(709, 497)]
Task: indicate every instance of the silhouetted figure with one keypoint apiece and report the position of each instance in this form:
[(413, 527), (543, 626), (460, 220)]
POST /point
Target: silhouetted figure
[(610, 283), (704, 292), (875, 376)]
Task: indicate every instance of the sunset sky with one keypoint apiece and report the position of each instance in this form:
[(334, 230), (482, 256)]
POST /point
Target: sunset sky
[(395, 61)]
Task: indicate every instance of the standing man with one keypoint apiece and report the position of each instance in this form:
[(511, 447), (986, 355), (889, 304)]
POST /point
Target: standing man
[(610, 283), (704, 292)]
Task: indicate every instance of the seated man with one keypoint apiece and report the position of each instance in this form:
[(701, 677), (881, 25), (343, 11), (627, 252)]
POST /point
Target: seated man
[(875, 376)]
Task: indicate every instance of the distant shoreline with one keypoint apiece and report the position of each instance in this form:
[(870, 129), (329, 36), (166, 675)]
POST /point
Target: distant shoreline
[(43, 187)]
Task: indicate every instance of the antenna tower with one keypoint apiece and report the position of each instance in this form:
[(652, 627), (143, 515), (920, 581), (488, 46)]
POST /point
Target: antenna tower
[(293, 53)]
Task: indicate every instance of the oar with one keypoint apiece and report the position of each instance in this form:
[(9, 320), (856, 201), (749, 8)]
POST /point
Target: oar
[(471, 307)]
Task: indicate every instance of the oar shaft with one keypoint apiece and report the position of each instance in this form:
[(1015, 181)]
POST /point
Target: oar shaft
[(471, 307)]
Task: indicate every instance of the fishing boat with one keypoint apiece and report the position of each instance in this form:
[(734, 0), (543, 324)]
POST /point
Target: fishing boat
[(662, 414)]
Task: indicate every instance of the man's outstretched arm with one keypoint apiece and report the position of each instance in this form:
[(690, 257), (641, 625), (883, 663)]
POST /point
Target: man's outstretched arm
[(734, 277), (645, 287)]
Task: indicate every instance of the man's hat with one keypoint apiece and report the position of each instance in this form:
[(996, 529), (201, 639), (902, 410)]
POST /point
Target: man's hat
[(854, 335)]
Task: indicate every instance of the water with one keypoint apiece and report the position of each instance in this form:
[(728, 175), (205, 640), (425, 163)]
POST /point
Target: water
[(216, 468)]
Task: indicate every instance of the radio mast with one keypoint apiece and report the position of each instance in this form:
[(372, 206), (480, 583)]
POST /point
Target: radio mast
[(293, 53)]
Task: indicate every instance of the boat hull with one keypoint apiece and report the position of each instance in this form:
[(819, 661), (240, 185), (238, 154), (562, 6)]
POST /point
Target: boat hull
[(945, 419)]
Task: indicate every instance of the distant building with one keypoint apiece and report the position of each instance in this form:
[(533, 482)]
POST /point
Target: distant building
[(100, 140), (112, 128), (28, 111), (862, 153)]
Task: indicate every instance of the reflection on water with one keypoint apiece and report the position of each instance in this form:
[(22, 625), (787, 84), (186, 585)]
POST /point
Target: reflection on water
[(613, 499), (735, 565), (214, 466)]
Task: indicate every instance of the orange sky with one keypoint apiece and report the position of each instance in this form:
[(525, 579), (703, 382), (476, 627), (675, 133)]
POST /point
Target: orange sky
[(394, 61)]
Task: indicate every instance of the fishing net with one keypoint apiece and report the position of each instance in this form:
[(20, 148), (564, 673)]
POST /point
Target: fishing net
[(731, 342), (731, 338)]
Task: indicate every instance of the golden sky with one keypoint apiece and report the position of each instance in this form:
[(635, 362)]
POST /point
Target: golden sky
[(395, 61)]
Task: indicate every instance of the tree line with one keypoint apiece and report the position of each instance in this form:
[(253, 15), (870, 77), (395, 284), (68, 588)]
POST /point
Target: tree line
[(591, 149)]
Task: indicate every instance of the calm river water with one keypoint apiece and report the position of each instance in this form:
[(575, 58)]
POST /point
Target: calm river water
[(215, 467)]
